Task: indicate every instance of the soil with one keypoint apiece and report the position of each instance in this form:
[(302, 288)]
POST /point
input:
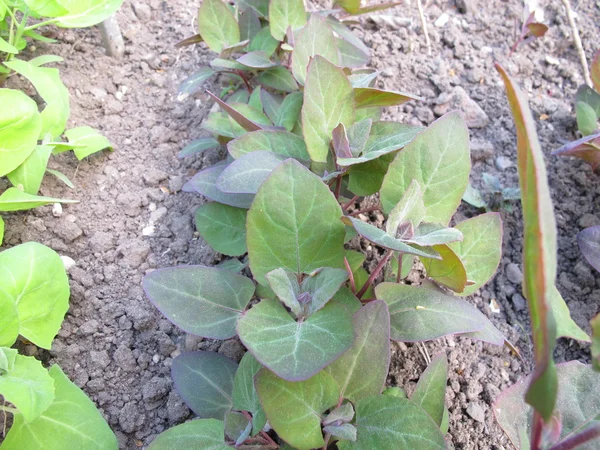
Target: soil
[(133, 217)]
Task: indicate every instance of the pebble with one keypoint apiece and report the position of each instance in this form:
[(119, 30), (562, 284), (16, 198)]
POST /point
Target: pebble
[(142, 11), (519, 302), (457, 98), (68, 262), (513, 273), (442, 20), (476, 412), (503, 162), (57, 210), (588, 220)]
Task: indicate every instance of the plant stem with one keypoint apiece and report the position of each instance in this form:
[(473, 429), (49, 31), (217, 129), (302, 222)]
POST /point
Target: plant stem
[(424, 26), (536, 432), (270, 441), (8, 409), (398, 276), (375, 273), (573, 442), (246, 82), (349, 204), (41, 24), (338, 187), (366, 210), (577, 42), (350, 275)]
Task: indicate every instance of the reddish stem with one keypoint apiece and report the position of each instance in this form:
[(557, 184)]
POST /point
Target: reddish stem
[(270, 442), (398, 276), (375, 273), (350, 275), (243, 77), (573, 442), (338, 187), (366, 210), (349, 204), (536, 432)]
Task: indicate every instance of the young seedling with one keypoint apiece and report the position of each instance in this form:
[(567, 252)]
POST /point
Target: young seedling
[(495, 197), (532, 27)]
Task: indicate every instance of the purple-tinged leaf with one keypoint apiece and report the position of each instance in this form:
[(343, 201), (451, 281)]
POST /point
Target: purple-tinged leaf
[(284, 14), (223, 227), (539, 249), (245, 397), (198, 146), (260, 7), (589, 244), (242, 120), (425, 313), (285, 285), (362, 370), (449, 271), (369, 97), (322, 286), (249, 24), (204, 381), (294, 350), (430, 392), (217, 25), (195, 39), (347, 35), (586, 148), (204, 183), (289, 112), (383, 239), (595, 71), (410, 209), (247, 173), (194, 82), (228, 51), (204, 301), (363, 78), (280, 142), (220, 64), (595, 324), (578, 404), (340, 142), (343, 413), (351, 56), (271, 104), (263, 41), (256, 60), (358, 135), (278, 78)]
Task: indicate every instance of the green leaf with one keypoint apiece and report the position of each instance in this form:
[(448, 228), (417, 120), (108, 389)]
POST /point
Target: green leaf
[(87, 141), (204, 380), (263, 41), (204, 301), (438, 158), (284, 284), (237, 426), (62, 177), (247, 117), (245, 397), (9, 323), (20, 127), (344, 432), (595, 71), (294, 408), (296, 350), (28, 386), (42, 60), (480, 249), (256, 60), (35, 280), (314, 39), (351, 56), (52, 90), (322, 286), (14, 199), (351, 6), (194, 82), (206, 434), (431, 388), (81, 425), (217, 25), (278, 78), (328, 101), (198, 146), (424, 313), (284, 14), (539, 250), (391, 423), (293, 223), (410, 209), (449, 271), (366, 97), (249, 24), (260, 7), (5, 47), (366, 178), (289, 111), (385, 137), (577, 405), (587, 121), (363, 369), (29, 175), (223, 227), (7, 359), (280, 142), (83, 14), (246, 174), (204, 183), (1, 230), (565, 326), (595, 324)]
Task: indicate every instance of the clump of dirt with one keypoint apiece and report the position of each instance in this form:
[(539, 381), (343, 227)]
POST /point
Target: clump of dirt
[(133, 216)]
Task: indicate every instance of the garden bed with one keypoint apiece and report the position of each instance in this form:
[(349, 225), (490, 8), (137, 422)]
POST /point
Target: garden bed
[(133, 216)]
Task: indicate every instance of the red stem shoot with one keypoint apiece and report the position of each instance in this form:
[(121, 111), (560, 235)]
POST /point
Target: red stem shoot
[(350, 275), (375, 273)]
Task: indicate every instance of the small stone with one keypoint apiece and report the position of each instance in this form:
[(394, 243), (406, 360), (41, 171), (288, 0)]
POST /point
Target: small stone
[(153, 177), (57, 210), (457, 98), (68, 262), (513, 273), (588, 220), (476, 412), (519, 302), (233, 349), (503, 162), (552, 61), (148, 231), (155, 359), (442, 20), (68, 231), (157, 214), (142, 11), (481, 150)]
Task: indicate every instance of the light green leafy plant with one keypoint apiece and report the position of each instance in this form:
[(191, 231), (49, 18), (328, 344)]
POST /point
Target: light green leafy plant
[(49, 412)]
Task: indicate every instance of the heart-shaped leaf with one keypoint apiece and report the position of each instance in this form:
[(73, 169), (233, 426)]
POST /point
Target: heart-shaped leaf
[(578, 404), (480, 250), (284, 14), (294, 409), (425, 313), (366, 97), (296, 350), (223, 227), (431, 388), (438, 158), (279, 142), (217, 25), (205, 183), (449, 271), (204, 380), (322, 286), (328, 101), (391, 423), (315, 38), (293, 223), (204, 301), (203, 433), (248, 172), (245, 397), (363, 369), (36, 282), (81, 424), (28, 386)]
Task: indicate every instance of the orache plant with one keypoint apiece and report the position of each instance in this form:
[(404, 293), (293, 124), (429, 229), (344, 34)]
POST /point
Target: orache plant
[(557, 406), (49, 411), (317, 326), (30, 134)]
